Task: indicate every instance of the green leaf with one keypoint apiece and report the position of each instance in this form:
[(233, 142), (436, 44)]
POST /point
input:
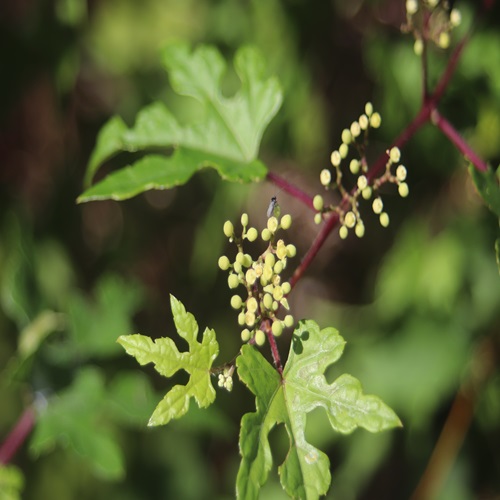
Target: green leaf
[(167, 360), (487, 184), (75, 421), (227, 136), (11, 482), (305, 472)]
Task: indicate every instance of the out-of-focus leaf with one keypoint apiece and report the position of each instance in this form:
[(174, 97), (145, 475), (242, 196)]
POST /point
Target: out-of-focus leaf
[(74, 420), (488, 186), (167, 360), (302, 388), (11, 482), (227, 138)]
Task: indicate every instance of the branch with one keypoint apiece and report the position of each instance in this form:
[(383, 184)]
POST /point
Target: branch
[(291, 189), (17, 435)]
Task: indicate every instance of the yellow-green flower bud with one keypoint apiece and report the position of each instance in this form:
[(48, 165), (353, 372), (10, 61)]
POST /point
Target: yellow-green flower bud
[(354, 166), (277, 328), (247, 260), (281, 252), (401, 173), (363, 122), (252, 234), (359, 229), (237, 268), (267, 272), (355, 129), (245, 335), (346, 136), (260, 338), (224, 263), (291, 251), (267, 301), (272, 224), (411, 7), (343, 232), (236, 302), (286, 221), (455, 17), (384, 219), (276, 305), (288, 320), (350, 219), (362, 182), (278, 293), (366, 192), (284, 303), (266, 234), (377, 205), (418, 47), (375, 120), (444, 40), (318, 218), (241, 318), (244, 220), (335, 158), (325, 177), (240, 258), (403, 190), (252, 304), (228, 228), (251, 276), (369, 108), (276, 280), (343, 150), (233, 281), (286, 287), (395, 154), (269, 259), (249, 318), (258, 270), (318, 202), (278, 267)]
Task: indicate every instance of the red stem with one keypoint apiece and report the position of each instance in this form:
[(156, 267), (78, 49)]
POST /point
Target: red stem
[(290, 188), (17, 435)]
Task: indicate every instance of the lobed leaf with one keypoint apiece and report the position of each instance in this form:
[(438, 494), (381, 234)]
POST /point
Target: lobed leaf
[(167, 360), (305, 473), (226, 138)]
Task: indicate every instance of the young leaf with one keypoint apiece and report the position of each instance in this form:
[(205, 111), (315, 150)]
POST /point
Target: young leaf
[(227, 138), (488, 186), (305, 472), (167, 360)]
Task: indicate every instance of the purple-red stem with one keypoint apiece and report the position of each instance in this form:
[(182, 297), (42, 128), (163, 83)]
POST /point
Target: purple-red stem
[(17, 435), (291, 189)]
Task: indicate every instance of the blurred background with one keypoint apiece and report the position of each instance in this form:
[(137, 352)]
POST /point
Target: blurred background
[(418, 302)]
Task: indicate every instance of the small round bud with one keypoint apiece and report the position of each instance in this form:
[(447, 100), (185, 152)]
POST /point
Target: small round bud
[(291, 250), (233, 281), (267, 272), (343, 150), (355, 129), (288, 320), (252, 304), (251, 276), (325, 177), (343, 232), (350, 219), (267, 301), (366, 193), (375, 120), (276, 305), (411, 7), (276, 278), (284, 303), (401, 173), (272, 224), (244, 220), (346, 136), (455, 17), (395, 154), (286, 222), (281, 252), (270, 259), (258, 270), (359, 229), (241, 318), (249, 318), (286, 287), (354, 166), (228, 228), (252, 234), (377, 205), (228, 384), (384, 219), (266, 234), (444, 40), (224, 263), (362, 182), (247, 260), (278, 267), (240, 258), (335, 158), (403, 190), (277, 328), (318, 218), (237, 268), (318, 202), (363, 122), (236, 302), (369, 108), (418, 47), (278, 293), (245, 335), (260, 338)]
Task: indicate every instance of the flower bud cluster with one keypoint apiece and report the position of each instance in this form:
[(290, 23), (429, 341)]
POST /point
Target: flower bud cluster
[(265, 289), (356, 137), (226, 378), (430, 20)]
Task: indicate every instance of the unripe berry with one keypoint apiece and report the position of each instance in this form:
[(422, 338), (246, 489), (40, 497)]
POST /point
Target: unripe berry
[(288, 320), (395, 154), (350, 219), (267, 301), (401, 173), (403, 190), (224, 263), (272, 224), (245, 335), (241, 318), (354, 166), (236, 302), (362, 182), (335, 158), (366, 192), (244, 220), (363, 122), (278, 267), (377, 205), (286, 287), (240, 258), (228, 228), (252, 234), (286, 221), (355, 129), (346, 136), (277, 328), (266, 234), (325, 177), (343, 232), (247, 260), (359, 229), (233, 281), (260, 337), (318, 202), (384, 219), (369, 108), (270, 259), (343, 150), (375, 120), (291, 251)]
